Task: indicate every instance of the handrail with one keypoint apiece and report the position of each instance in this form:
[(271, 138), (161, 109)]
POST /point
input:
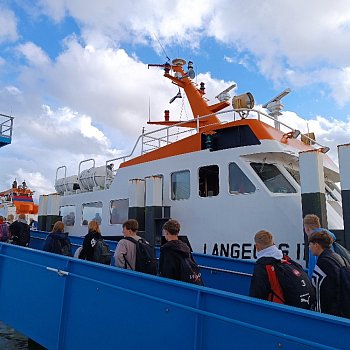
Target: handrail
[(148, 137)]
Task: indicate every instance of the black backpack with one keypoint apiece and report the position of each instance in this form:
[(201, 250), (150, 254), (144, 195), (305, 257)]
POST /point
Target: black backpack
[(24, 235), (61, 247), (189, 271), (344, 287), (146, 261), (290, 284), (343, 252), (102, 253)]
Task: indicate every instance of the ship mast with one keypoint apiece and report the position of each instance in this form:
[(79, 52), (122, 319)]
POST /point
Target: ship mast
[(198, 104)]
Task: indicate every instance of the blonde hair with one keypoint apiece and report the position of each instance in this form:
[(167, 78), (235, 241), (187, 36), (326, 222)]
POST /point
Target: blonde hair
[(264, 238), (312, 221), (58, 227), (94, 226)]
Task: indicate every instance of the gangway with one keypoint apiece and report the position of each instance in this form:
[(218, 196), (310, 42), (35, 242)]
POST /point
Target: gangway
[(66, 303), (6, 125)]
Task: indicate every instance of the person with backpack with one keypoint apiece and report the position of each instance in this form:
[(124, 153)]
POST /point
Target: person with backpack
[(176, 261), (326, 274), (57, 241), (278, 278), (312, 224), (94, 247), (20, 231), (133, 252), (4, 230)]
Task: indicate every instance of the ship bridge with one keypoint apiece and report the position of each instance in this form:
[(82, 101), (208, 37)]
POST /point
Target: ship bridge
[(6, 125)]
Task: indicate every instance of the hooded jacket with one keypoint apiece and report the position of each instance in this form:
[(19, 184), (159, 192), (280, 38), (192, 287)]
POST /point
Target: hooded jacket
[(260, 285), (171, 254), (312, 258), (50, 239)]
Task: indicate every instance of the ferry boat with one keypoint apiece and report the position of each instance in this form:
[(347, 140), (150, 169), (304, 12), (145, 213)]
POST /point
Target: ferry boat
[(224, 174), (223, 181), (18, 200)]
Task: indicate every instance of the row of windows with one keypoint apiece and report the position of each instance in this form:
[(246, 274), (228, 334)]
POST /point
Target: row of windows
[(208, 185), (118, 211), (239, 183)]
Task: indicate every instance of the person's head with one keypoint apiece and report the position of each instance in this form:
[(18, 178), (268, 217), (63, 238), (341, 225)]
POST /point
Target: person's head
[(319, 241), (58, 226), (94, 226), (171, 230), (10, 218), (130, 227), (22, 217), (1, 219), (311, 222), (263, 239)]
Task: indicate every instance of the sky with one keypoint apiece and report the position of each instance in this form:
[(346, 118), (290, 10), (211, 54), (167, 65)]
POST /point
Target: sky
[(74, 73)]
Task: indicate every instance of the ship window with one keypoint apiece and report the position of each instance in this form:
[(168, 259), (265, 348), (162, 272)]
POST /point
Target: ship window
[(119, 211), (180, 185), (273, 178), (68, 215), (238, 181), (208, 181), (294, 174), (92, 211)]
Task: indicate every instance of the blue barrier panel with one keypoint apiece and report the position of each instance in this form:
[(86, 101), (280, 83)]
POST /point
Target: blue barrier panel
[(66, 303)]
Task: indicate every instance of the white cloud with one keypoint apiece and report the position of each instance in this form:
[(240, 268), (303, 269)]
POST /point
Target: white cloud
[(8, 25), (34, 54)]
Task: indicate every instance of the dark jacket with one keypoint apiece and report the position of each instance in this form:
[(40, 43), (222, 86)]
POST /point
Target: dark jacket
[(16, 229), (260, 285), (325, 279), (169, 259), (50, 240), (89, 244)]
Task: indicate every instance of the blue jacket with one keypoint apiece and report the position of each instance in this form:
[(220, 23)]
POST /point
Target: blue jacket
[(51, 237), (313, 258)]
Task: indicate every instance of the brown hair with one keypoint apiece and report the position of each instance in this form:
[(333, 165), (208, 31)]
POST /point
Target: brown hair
[(94, 226), (131, 224), (322, 238), (172, 226), (264, 238), (312, 221), (58, 227)]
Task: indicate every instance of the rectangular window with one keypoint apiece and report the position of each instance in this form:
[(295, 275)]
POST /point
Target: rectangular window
[(92, 211), (68, 215), (180, 185), (238, 181), (208, 177), (272, 177), (119, 211)]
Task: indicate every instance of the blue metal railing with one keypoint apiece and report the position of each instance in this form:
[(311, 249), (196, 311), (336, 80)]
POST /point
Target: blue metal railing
[(6, 126), (66, 303)]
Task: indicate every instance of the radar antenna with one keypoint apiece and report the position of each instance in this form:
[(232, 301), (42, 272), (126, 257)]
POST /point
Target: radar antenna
[(274, 106), (224, 95)]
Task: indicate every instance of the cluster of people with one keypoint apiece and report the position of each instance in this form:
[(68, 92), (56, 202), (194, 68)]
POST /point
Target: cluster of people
[(132, 252), (276, 277), (15, 231), (318, 290)]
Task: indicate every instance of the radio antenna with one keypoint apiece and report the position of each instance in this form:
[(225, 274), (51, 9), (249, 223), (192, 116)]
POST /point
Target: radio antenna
[(161, 46)]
